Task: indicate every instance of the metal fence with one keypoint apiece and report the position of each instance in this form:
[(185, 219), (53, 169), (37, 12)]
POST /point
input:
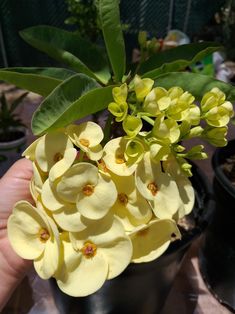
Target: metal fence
[(155, 16)]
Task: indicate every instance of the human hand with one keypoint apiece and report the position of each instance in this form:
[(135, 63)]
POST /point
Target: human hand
[(14, 186)]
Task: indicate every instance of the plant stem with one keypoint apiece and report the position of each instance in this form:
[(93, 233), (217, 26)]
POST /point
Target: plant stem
[(149, 120)]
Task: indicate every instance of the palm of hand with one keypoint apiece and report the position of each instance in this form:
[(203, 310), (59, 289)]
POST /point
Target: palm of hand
[(14, 186)]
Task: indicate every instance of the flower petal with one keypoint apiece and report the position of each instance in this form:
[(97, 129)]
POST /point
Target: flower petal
[(69, 218), (63, 165), (81, 276), (23, 230), (50, 197), (151, 241), (74, 180), (99, 203), (47, 264)]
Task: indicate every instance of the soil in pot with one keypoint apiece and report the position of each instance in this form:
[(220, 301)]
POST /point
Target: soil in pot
[(143, 288), (217, 257), (11, 136)]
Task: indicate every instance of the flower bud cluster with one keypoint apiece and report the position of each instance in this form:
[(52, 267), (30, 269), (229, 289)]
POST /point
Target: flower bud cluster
[(173, 116)]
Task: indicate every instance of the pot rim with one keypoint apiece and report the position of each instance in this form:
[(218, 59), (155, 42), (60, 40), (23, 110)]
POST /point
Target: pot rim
[(219, 156), (15, 143)]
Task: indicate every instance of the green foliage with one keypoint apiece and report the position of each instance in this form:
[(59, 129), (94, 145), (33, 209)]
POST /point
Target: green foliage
[(8, 117), (84, 16), (86, 88)]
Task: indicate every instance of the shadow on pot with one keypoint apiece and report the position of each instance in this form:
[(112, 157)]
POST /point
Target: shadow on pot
[(143, 288), (217, 256)]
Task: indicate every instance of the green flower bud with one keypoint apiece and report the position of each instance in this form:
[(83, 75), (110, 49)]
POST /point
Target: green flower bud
[(134, 150), (166, 130), (132, 126), (159, 152), (216, 136), (118, 110)]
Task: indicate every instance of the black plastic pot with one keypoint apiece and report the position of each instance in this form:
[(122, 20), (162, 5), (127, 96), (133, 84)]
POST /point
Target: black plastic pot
[(143, 288), (217, 257)]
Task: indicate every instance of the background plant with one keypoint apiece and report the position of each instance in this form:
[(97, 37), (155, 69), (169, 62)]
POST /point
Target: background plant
[(8, 116)]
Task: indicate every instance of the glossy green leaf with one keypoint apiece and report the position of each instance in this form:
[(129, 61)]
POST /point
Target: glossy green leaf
[(73, 99), (41, 81), (113, 36), (176, 59), (70, 49), (197, 84)]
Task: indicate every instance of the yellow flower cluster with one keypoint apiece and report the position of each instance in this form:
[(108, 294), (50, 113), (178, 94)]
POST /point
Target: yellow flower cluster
[(100, 206)]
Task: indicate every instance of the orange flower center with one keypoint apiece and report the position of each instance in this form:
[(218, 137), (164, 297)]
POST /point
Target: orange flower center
[(84, 142), (89, 250), (123, 198), (88, 189), (120, 159), (153, 188), (43, 235)]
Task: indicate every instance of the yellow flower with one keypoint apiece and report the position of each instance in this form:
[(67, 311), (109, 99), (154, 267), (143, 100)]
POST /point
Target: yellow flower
[(87, 136), (151, 241), (119, 108), (115, 160), (64, 213), (166, 130), (95, 254), (156, 101), (33, 235), (185, 187), (53, 153), (142, 87), (157, 187), (93, 193), (130, 206)]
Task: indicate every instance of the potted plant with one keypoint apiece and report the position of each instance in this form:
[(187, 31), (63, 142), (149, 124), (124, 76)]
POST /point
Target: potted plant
[(217, 256), (111, 201), (13, 134)]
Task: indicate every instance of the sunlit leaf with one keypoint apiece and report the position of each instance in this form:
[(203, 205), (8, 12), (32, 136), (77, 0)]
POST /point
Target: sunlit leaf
[(38, 80), (176, 59), (73, 99), (196, 84), (112, 32), (70, 49)]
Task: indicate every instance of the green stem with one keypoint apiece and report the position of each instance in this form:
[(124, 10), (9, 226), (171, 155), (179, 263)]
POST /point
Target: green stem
[(149, 120)]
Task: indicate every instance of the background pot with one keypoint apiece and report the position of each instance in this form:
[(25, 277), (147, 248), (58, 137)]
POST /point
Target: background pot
[(217, 257), (12, 150), (143, 288)]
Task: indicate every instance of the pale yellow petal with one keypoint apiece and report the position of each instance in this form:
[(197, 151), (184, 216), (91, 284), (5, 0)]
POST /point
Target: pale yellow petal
[(69, 218), (118, 255), (47, 264), (151, 241), (50, 197), (75, 179), (24, 226), (95, 153), (29, 153), (63, 165), (97, 205), (81, 276), (51, 148)]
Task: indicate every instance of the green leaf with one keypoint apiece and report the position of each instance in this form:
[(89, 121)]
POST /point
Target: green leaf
[(110, 23), (70, 49), (176, 59), (73, 99), (38, 80), (197, 84)]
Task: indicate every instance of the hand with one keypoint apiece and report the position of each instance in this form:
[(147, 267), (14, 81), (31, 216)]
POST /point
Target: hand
[(14, 186)]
